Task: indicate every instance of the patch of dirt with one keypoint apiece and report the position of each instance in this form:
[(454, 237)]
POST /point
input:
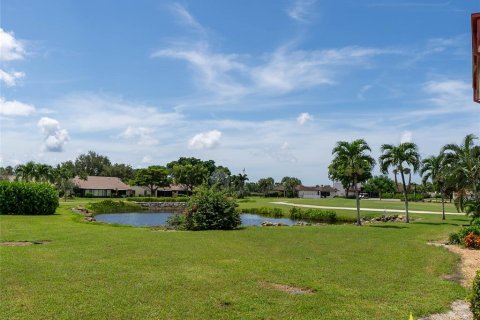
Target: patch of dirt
[(289, 289), (22, 243), (469, 264), (460, 311)]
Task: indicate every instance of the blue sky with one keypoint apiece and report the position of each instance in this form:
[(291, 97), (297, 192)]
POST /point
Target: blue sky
[(268, 86)]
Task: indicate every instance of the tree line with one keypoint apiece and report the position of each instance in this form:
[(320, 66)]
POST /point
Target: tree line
[(456, 169)]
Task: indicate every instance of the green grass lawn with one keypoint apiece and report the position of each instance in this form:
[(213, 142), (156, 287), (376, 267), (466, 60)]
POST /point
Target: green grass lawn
[(95, 271)]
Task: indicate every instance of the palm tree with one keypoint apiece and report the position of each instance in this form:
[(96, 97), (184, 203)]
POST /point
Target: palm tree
[(355, 163), (25, 171), (465, 160), (400, 158), (43, 173), (434, 168)]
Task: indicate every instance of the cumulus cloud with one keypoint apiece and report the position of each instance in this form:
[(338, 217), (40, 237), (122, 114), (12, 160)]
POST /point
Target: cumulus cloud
[(303, 118), (15, 108), (205, 140), (54, 137), (406, 137), (10, 79), (10, 48), (144, 136)]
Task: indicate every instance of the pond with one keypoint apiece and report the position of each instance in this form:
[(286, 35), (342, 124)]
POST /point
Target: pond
[(143, 219)]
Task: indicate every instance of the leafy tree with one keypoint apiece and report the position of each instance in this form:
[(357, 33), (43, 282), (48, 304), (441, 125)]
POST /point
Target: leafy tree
[(266, 185), (435, 168), (43, 173), (400, 158), (351, 160), (190, 175), (92, 164), (380, 185), (220, 178), (289, 184), (152, 177), (123, 171), (6, 172)]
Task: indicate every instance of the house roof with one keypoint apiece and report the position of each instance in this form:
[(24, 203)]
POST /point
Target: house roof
[(101, 183), (174, 187), (315, 188)]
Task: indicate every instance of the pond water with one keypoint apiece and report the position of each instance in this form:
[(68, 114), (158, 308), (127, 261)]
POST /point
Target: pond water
[(142, 219)]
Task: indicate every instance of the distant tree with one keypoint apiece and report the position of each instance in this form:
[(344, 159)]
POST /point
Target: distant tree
[(43, 172), (123, 171), (336, 172), (153, 177), (400, 158), (436, 168), (380, 185), (352, 160), (220, 178), (92, 164), (6, 172), (237, 183), (289, 184), (62, 176), (266, 185), (25, 172), (190, 175)]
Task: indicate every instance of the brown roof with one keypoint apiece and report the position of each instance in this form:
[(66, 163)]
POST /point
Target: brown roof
[(315, 188), (101, 183)]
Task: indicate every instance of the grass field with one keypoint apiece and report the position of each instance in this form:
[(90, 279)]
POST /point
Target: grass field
[(95, 271)]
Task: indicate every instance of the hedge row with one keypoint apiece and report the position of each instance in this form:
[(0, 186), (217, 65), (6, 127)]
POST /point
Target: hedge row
[(27, 198), (264, 211), (158, 199), (316, 215), (111, 206)]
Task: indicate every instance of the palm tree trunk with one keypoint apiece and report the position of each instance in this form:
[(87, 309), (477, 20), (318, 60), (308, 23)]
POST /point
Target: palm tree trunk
[(443, 204), (405, 195), (357, 199)]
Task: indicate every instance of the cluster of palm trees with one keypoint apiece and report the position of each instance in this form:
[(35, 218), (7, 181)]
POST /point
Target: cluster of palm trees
[(455, 169)]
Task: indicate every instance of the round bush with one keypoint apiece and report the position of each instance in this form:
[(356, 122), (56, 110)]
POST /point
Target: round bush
[(211, 210), (27, 198)]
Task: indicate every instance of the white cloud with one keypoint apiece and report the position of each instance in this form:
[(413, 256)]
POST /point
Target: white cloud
[(301, 10), (144, 136), (406, 137), (284, 146), (54, 137), (15, 108), (303, 118), (10, 48), (186, 18), (205, 140), (147, 159), (10, 79)]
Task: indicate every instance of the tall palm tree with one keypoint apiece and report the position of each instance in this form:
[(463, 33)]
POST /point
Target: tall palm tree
[(43, 173), (434, 168), (465, 159), (401, 158), (355, 163), (25, 172)]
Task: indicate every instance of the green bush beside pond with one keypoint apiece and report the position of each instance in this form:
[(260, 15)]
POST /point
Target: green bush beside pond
[(27, 198), (111, 206), (316, 215), (158, 199)]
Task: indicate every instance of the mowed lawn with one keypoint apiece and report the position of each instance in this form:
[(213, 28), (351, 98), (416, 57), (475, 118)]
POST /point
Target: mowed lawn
[(95, 271)]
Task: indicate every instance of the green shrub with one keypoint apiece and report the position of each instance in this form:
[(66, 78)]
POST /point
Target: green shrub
[(111, 206), (475, 297), (313, 215), (459, 237), (27, 198), (264, 211), (158, 199), (176, 221), (211, 210), (410, 196)]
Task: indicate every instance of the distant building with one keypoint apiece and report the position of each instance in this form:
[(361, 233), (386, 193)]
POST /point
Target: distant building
[(315, 192), (103, 187), (173, 190)]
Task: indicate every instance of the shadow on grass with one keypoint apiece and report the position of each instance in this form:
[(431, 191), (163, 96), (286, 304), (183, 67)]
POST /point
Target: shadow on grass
[(389, 227), (459, 224)]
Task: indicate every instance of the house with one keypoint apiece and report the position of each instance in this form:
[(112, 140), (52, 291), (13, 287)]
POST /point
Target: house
[(139, 191), (95, 186), (315, 192), (173, 190)]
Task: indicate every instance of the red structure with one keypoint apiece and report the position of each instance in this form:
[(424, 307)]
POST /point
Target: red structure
[(476, 56)]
